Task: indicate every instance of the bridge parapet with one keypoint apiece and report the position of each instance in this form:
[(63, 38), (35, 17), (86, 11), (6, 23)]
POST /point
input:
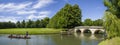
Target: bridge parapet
[(89, 27)]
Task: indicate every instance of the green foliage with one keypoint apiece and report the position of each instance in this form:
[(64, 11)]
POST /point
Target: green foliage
[(88, 22), (112, 25), (23, 25), (38, 23), (112, 17), (113, 6), (26, 24), (7, 25), (29, 24), (68, 17), (98, 22), (44, 22), (18, 24)]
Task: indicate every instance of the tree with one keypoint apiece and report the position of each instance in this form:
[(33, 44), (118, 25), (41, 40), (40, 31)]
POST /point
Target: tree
[(18, 24), (7, 25), (23, 24), (112, 17), (26, 24), (37, 24), (68, 17), (112, 25), (113, 6), (98, 22), (75, 17), (88, 22), (29, 24), (33, 25), (44, 22), (11, 24)]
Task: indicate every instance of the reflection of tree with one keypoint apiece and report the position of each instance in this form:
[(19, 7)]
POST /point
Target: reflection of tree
[(66, 40), (1, 35), (42, 40)]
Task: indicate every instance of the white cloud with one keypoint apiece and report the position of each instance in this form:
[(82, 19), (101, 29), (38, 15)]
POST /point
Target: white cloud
[(44, 13), (36, 17), (25, 8), (6, 19), (42, 3), (31, 16), (21, 12), (14, 6), (41, 15)]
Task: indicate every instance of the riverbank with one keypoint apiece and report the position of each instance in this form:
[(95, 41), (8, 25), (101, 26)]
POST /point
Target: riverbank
[(32, 31), (113, 41)]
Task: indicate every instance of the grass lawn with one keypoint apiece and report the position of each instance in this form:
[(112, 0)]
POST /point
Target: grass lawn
[(113, 41), (30, 31)]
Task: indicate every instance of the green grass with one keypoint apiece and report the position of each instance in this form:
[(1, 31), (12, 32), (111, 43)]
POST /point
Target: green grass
[(30, 31), (113, 41)]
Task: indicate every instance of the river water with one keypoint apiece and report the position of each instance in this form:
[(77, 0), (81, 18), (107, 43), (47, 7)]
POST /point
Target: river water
[(54, 39)]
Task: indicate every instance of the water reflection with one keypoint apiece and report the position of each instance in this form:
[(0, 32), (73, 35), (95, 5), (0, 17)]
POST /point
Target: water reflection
[(89, 39), (27, 42), (76, 39), (90, 36)]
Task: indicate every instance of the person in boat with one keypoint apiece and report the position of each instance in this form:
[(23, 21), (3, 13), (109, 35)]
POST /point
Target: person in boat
[(26, 34)]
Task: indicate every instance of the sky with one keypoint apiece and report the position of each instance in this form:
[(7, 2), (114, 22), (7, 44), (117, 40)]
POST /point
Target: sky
[(18, 10)]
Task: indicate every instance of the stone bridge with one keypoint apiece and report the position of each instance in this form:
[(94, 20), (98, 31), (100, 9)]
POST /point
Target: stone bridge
[(92, 29)]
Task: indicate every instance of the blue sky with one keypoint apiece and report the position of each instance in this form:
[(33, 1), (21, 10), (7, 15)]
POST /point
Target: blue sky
[(18, 10)]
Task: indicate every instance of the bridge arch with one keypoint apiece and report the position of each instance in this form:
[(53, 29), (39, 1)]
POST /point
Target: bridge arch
[(78, 31), (98, 31), (86, 31)]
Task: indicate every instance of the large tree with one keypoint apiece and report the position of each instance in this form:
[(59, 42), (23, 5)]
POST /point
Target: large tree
[(68, 17), (112, 17), (113, 6)]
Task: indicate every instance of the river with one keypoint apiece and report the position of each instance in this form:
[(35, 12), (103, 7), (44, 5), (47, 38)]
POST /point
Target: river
[(54, 39)]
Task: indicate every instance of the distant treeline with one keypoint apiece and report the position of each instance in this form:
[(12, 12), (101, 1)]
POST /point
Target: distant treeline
[(43, 23), (25, 24), (89, 22)]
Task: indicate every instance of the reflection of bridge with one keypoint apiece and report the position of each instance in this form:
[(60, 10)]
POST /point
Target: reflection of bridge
[(80, 36), (92, 29)]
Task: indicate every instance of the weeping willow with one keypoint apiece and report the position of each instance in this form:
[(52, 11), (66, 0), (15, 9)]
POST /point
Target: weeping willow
[(112, 25)]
